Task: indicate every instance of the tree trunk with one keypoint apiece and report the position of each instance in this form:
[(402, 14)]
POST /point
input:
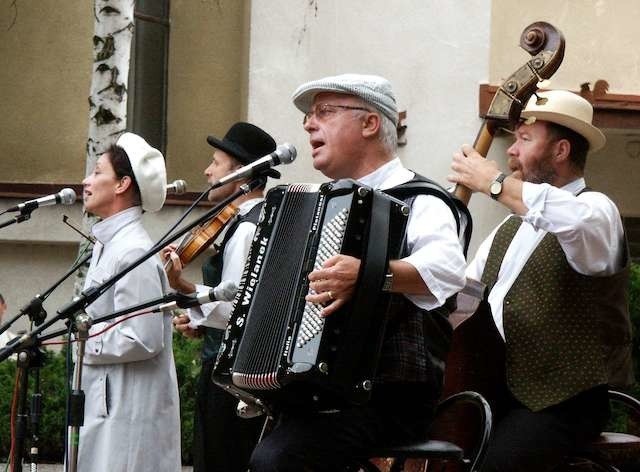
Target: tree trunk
[(113, 32)]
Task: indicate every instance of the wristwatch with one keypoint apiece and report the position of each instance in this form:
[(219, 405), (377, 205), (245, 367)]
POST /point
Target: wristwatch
[(495, 189), (388, 281)]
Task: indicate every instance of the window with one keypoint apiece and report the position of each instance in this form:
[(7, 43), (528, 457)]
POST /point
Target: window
[(148, 83)]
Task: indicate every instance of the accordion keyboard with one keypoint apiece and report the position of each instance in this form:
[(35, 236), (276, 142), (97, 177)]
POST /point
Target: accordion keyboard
[(331, 239)]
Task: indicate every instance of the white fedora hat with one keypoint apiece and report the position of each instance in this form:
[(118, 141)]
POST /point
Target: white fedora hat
[(566, 109), (148, 167)]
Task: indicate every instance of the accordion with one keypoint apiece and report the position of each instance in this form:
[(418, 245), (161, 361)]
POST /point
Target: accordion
[(276, 347)]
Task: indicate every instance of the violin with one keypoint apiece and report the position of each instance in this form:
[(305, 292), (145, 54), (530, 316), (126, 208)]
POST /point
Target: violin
[(201, 237)]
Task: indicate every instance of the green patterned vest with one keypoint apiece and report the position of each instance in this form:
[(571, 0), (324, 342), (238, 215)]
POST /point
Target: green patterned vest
[(565, 332)]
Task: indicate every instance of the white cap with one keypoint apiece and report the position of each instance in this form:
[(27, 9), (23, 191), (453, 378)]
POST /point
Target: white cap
[(148, 167)]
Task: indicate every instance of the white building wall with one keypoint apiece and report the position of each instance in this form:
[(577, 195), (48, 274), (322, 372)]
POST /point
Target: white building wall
[(434, 52)]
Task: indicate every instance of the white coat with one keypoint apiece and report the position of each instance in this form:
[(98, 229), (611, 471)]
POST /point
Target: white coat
[(132, 418)]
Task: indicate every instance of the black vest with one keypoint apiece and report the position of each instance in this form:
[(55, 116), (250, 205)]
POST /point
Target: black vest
[(212, 276), (417, 341)]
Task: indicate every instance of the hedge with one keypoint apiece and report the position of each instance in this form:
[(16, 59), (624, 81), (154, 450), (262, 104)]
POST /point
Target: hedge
[(52, 386), (187, 355)]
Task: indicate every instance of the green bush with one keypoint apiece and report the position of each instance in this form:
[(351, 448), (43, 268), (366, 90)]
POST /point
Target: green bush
[(52, 385)]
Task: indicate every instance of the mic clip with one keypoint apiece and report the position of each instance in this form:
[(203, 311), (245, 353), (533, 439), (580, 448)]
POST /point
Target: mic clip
[(185, 301)]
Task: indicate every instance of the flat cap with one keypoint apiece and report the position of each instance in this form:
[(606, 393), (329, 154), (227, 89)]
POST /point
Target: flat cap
[(373, 89), (148, 168)]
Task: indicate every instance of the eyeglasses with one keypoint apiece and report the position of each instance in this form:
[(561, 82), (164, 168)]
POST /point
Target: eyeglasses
[(323, 111)]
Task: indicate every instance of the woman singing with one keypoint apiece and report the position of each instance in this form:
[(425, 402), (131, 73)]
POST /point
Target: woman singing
[(131, 420)]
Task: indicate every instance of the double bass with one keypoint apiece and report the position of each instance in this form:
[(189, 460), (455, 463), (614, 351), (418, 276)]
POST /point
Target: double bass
[(477, 350), (476, 358)]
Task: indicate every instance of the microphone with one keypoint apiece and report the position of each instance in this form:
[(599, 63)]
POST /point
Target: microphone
[(284, 154), (224, 292), (177, 187), (66, 196)]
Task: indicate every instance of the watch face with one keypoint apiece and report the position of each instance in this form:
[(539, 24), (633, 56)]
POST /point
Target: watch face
[(495, 188)]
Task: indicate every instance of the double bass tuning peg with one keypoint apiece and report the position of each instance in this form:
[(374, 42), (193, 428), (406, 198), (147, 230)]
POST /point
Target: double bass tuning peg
[(540, 100), (543, 84)]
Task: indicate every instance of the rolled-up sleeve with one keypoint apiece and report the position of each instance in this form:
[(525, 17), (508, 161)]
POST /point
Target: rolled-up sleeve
[(435, 251), (588, 226), (217, 314)]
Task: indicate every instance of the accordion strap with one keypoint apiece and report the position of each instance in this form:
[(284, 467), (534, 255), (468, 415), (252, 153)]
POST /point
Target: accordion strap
[(366, 308), (421, 185)]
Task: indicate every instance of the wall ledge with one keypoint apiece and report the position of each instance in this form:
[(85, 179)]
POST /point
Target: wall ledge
[(611, 111)]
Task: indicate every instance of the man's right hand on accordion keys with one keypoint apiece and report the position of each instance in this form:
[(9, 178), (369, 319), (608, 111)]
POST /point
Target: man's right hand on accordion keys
[(333, 285)]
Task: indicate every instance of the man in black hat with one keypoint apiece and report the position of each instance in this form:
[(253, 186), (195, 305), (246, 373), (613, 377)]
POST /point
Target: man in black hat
[(222, 440)]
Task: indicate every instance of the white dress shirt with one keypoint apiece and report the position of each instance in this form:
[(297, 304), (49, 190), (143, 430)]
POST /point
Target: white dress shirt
[(432, 238), (588, 228), (217, 314)]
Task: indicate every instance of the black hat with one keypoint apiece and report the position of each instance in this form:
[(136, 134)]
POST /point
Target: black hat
[(246, 143)]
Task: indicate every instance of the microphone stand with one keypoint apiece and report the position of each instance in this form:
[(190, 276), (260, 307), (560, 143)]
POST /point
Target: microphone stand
[(182, 301), (31, 358), (24, 215), (88, 296), (34, 308), (76, 399), (28, 358)]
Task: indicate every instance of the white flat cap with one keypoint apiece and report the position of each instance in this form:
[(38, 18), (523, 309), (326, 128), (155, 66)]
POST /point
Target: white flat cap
[(148, 167)]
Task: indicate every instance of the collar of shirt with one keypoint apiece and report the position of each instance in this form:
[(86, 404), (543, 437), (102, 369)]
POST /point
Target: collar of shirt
[(106, 229), (247, 205), (388, 175), (575, 187)]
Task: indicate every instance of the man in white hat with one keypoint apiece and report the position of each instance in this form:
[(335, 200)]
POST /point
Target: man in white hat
[(132, 411), (352, 122), (557, 274)]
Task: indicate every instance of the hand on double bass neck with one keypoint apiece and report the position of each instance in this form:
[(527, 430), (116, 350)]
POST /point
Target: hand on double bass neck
[(472, 170), (476, 173)]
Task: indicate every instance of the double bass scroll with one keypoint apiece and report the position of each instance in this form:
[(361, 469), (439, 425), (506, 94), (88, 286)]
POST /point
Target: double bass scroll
[(545, 43), (476, 358)]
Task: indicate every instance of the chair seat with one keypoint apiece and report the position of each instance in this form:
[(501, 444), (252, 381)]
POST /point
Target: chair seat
[(618, 447), (421, 449), (613, 440)]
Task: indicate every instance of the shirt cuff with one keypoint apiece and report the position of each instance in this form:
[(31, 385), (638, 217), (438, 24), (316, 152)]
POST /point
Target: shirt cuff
[(534, 197)]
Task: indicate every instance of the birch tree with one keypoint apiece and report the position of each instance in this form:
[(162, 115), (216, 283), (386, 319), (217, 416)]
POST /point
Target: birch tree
[(113, 32)]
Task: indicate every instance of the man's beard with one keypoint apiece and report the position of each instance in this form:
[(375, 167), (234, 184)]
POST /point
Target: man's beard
[(543, 172)]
